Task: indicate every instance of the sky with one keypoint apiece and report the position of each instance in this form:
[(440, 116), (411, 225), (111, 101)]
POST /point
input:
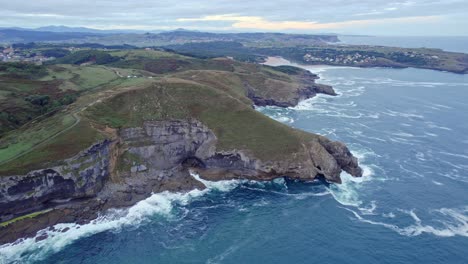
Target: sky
[(363, 17)]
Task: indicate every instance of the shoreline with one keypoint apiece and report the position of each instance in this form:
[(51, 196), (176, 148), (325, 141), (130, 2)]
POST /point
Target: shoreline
[(116, 195), (278, 61)]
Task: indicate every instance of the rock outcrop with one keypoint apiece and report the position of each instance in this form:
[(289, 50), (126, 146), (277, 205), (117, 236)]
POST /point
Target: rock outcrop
[(79, 177), (307, 88)]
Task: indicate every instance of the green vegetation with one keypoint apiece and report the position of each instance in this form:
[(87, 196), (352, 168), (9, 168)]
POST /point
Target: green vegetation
[(350, 55), (28, 216), (229, 118), (66, 142), (25, 138), (56, 52), (216, 49), (49, 113), (289, 69), (22, 70), (213, 91), (22, 100), (87, 56)]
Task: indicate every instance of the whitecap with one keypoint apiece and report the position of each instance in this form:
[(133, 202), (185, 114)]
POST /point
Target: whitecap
[(453, 223), (389, 215), (454, 154), (403, 134), (348, 192), (28, 250), (370, 209), (420, 156), (437, 183), (283, 119)]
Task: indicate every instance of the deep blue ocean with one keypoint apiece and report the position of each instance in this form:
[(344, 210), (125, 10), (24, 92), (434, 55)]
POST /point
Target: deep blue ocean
[(408, 127)]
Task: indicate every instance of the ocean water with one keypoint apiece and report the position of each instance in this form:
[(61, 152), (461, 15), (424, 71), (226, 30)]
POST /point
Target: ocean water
[(408, 127), (456, 44)]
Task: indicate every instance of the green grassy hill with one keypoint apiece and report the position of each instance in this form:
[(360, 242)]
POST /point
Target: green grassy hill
[(74, 104)]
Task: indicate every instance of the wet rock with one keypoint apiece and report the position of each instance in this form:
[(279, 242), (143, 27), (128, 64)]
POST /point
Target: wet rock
[(41, 237)]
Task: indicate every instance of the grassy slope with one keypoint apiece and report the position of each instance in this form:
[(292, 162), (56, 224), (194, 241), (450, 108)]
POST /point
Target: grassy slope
[(234, 122), (61, 81), (215, 97)]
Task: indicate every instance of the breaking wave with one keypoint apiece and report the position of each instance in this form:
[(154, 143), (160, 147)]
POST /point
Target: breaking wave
[(29, 250), (455, 223)]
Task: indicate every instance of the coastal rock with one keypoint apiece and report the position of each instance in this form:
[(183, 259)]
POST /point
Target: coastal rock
[(153, 158), (79, 177), (306, 89)]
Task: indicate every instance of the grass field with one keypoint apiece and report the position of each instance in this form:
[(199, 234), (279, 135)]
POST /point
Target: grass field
[(25, 138), (49, 153), (80, 77)]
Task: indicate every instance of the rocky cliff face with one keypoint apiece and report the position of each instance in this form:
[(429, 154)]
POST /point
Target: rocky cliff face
[(308, 88), (152, 158), (79, 177), (165, 145)]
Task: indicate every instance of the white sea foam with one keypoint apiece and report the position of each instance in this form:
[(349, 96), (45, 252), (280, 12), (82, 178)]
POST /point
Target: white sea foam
[(402, 114), (420, 156), (437, 183), (283, 119), (348, 192), (389, 215), (454, 154), (433, 125), (157, 204), (403, 134), (298, 196), (454, 222), (369, 210)]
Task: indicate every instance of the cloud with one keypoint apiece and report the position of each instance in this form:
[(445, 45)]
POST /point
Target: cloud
[(341, 16), (259, 23)]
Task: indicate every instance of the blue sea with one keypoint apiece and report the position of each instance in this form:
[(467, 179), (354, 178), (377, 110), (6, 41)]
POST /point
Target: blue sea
[(409, 129)]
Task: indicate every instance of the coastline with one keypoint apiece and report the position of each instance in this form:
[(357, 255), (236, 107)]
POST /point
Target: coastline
[(115, 195), (278, 61)]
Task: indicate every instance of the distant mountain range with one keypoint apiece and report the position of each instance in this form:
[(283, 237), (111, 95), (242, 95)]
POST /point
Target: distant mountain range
[(65, 29), (89, 30), (63, 34)]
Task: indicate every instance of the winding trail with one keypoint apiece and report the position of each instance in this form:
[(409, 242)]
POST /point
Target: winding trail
[(75, 115)]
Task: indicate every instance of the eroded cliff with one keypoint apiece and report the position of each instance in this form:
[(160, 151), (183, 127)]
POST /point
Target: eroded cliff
[(157, 133)]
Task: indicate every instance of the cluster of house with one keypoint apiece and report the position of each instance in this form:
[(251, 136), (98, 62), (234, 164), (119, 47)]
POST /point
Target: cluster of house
[(413, 54), (10, 54), (355, 58)]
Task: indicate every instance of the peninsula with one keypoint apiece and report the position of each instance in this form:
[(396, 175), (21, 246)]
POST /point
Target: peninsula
[(105, 128)]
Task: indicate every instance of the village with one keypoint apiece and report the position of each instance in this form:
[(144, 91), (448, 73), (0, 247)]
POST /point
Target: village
[(360, 58), (356, 58), (11, 54)]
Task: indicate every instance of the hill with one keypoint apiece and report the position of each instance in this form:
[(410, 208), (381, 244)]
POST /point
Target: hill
[(139, 126), (142, 39)]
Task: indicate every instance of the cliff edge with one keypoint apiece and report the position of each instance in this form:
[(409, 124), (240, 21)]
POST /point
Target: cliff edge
[(155, 134)]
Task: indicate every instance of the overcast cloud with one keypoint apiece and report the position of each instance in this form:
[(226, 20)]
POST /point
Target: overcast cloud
[(378, 17)]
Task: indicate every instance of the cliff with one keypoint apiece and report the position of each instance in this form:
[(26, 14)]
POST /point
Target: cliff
[(155, 157), (156, 133)]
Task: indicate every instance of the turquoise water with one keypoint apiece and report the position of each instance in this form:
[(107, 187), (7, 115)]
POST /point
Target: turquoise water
[(408, 127)]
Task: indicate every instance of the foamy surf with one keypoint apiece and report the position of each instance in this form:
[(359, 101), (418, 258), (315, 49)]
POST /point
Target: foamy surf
[(28, 250), (453, 222), (349, 191)]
